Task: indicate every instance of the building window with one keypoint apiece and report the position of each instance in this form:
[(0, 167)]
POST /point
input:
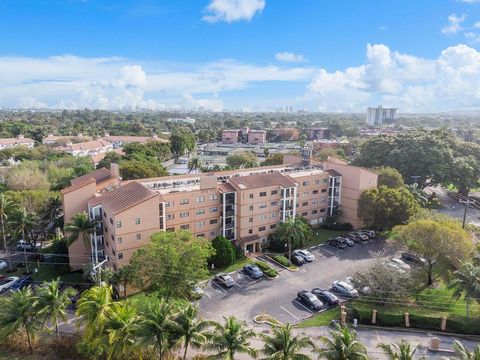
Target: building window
[(274, 192), (214, 197), (304, 213), (118, 224), (213, 221), (200, 212), (324, 190), (120, 256), (138, 237), (274, 214), (137, 221), (263, 193), (262, 217), (113, 239), (250, 231), (171, 216), (315, 202), (169, 203), (325, 180), (261, 228), (322, 210), (184, 202), (104, 214), (184, 214), (317, 182), (250, 219), (184, 227), (273, 226), (250, 208), (305, 203), (200, 236), (111, 221), (305, 193), (315, 192), (106, 229), (273, 203), (305, 183), (200, 199), (250, 196), (119, 240), (262, 206), (213, 210), (314, 212), (201, 224), (170, 229), (113, 252)]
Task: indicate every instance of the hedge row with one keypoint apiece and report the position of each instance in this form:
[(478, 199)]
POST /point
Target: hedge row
[(266, 268), (281, 260)]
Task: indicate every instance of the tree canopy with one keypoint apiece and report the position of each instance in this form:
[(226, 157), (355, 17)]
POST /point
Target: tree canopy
[(244, 159), (390, 177), (182, 140)]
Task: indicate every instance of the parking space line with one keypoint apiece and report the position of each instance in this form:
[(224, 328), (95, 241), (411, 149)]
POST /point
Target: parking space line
[(206, 293), (288, 312), (218, 286), (299, 303), (328, 251)]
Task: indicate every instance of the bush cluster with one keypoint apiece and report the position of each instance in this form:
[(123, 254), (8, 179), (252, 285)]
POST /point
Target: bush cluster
[(267, 269), (281, 260)]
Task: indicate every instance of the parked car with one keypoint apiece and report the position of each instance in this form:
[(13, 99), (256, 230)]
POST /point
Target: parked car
[(3, 265), (196, 292), (354, 237), (401, 264), (225, 279), (337, 242), (413, 258), (305, 254), (310, 300), (325, 296), (363, 237), (297, 260), (344, 288), (253, 271), (395, 266), (348, 241), (364, 290), (369, 233), (24, 281), (7, 283), (26, 245)]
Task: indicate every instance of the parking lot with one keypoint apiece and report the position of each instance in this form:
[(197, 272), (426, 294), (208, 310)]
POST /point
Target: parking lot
[(277, 297)]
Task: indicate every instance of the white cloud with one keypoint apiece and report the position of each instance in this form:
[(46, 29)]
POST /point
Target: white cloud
[(213, 104), (232, 10), (477, 25), (470, 1), (448, 82), (31, 103), (287, 56), (454, 24)]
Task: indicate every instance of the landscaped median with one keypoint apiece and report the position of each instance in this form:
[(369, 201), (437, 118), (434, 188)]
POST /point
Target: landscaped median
[(267, 319), (282, 261), (267, 270)]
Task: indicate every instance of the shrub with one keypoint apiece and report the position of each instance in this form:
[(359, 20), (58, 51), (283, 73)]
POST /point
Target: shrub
[(281, 260), (267, 269), (225, 252)]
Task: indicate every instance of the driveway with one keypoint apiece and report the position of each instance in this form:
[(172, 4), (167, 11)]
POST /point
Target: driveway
[(277, 297)]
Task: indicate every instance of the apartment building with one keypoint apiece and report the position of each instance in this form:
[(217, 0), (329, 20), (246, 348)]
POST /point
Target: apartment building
[(118, 141), (379, 115), (93, 147), (246, 206), (229, 136), (20, 140), (257, 137), (51, 139)]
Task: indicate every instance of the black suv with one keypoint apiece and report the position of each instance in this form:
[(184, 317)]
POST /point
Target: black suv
[(310, 300), (325, 296), (337, 242)]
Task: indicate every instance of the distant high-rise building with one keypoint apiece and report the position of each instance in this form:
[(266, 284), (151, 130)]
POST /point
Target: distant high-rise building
[(379, 115)]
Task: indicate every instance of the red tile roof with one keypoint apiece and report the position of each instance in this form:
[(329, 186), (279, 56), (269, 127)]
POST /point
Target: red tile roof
[(99, 176), (262, 180), (77, 185)]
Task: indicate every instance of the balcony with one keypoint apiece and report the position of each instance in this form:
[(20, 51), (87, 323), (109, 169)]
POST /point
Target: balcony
[(230, 236), (229, 213), (230, 225), (286, 207)]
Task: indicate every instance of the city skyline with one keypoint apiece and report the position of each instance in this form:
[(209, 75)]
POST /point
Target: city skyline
[(256, 55)]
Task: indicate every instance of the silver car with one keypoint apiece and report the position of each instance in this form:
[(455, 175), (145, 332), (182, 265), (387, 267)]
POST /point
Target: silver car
[(345, 289), (225, 280), (305, 254)]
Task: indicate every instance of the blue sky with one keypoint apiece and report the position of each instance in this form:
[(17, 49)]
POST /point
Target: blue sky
[(321, 55)]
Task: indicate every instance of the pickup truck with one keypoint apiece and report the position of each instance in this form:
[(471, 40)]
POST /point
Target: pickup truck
[(7, 283)]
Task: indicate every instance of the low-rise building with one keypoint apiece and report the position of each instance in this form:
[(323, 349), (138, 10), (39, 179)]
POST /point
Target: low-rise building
[(20, 140), (319, 145), (118, 141), (230, 136), (87, 148), (257, 137), (317, 133), (51, 139)]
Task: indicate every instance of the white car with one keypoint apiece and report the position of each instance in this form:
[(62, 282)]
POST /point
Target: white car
[(401, 264), (395, 266), (345, 289), (305, 254), (7, 283), (3, 265), (26, 245)]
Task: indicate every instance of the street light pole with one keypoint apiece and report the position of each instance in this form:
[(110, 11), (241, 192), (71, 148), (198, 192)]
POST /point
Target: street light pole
[(467, 202)]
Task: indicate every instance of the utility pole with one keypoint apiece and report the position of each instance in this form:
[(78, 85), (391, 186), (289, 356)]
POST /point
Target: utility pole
[(290, 250), (467, 202)]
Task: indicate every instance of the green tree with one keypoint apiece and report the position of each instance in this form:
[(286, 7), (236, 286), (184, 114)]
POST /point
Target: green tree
[(400, 351), (110, 157), (171, 262), (442, 243), (275, 159), (157, 326), (141, 169), (6, 206), (22, 221), (283, 345), (82, 227), (230, 338), (390, 177), (225, 252), (383, 208), (243, 159), (466, 282), (182, 141), (18, 312), (194, 164), (27, 176), (342, 345), (123, 276), (294, 232), (191, 329), (462, 353), (53, 303)]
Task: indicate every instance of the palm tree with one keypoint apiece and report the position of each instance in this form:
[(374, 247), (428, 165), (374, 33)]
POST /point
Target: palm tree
[(93, 309), (230, 338), (53, 303), (401, 351), (343, 345), (194, 164), (296, 230), (157, 326), (18, 312), (191, 329), (22, 221), (123, 276), (6, 206), (283, 345), (466, 282), (80, 226), (463, 353)]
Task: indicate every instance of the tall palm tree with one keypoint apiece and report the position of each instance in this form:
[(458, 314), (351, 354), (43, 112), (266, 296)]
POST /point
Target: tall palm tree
[(191, 329), (463, 353), (93, 309), (400, 351), (53, 303), (157, 326), (80, 226), (6, 207), (22, 221), (230, 338), (123, 276), (466, 282), (343, 345), (18, 312), (295, 230), (194, 164), (283, 345)]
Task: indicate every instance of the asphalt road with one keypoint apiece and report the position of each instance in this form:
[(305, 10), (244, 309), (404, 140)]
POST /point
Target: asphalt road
[(277, 297)]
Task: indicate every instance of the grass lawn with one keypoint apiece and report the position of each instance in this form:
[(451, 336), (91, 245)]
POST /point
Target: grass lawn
[(322, 319), (322, 235), (47, 273), (238, 264)]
